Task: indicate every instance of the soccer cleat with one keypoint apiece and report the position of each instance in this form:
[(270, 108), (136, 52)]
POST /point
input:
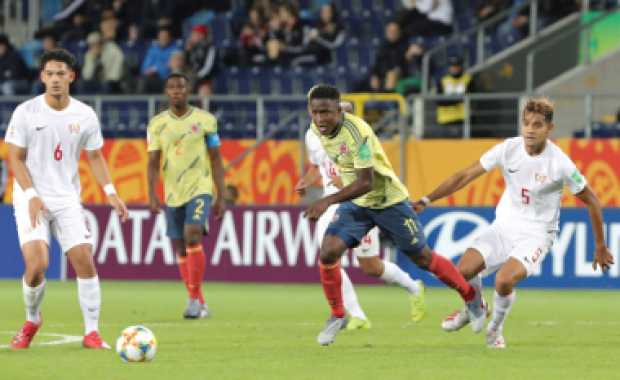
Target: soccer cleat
[(495, 339), (455, 321), (331, 329), (93, 340), (477, 312), (358, 324), (194, 309), (204, 311), (23, 338), (418, 304)]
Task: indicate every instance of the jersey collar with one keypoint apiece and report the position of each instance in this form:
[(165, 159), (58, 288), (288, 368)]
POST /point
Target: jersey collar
[(186, 115), (337, 129)]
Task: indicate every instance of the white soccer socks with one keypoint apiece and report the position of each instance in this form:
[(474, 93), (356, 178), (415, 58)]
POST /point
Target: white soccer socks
[(32, 299), (392, 274), (89, 294), (349, 297), (501, 308)]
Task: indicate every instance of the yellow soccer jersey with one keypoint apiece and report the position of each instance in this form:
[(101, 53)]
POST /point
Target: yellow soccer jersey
[(183, 144), (355, 146)]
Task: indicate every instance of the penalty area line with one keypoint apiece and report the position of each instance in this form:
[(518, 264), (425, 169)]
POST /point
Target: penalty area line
[(60, 339)]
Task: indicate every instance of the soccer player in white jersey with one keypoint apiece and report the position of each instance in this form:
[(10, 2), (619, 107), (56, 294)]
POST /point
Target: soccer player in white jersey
[(45, 137), (367, 253), (526, 223)]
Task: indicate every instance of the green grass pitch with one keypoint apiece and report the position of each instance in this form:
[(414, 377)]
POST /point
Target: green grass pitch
[(268, 332)]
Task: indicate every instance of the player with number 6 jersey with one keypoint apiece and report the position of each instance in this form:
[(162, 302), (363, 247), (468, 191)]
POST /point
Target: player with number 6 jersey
[(45, 137), (535, 171)]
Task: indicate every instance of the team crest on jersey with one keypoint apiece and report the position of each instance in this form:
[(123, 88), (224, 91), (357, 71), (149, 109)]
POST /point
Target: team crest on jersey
[(344, 149), (541, 178), (194, 128), (74, 128)]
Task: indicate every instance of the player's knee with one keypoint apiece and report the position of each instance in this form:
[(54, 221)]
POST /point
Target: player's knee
[(466, 270), (422, 257), (34, 277), (504, 284), (372, 266), (331, 250), (193, 235)]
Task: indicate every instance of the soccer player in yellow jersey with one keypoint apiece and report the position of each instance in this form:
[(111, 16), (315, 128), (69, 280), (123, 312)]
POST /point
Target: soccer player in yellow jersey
[(186, 138), (372, 196)]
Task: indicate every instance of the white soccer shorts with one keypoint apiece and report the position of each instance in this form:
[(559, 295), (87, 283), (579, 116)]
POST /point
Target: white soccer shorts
[(498, 243), (369, 246), (67, 225)]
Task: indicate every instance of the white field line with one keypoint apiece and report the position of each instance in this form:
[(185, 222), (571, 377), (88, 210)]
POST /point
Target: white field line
[(62, 339)]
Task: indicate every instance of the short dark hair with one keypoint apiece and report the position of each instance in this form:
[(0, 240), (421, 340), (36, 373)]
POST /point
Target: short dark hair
[(324, 91), (176, 75), (60, 55)]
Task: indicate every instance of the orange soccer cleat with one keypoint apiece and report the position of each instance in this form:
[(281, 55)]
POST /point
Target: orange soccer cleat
[(93, 340), (23, 338)]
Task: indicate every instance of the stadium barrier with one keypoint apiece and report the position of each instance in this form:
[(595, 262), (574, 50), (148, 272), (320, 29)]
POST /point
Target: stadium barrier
[(276, 244)]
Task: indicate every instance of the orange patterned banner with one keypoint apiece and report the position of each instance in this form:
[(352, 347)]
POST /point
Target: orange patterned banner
[(268, 175)]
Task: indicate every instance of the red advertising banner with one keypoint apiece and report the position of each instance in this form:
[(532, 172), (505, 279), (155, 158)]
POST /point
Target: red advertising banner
[(250, 244)]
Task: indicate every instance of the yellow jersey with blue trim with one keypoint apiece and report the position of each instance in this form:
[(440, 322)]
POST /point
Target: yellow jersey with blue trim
[(354, 145), (183, 142)]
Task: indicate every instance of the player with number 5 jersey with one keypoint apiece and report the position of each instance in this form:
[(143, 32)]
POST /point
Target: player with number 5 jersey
[(45, 137), (183, 141), (535, 171)]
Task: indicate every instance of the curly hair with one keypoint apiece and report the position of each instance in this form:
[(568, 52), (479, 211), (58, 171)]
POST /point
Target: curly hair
[(540, 105)]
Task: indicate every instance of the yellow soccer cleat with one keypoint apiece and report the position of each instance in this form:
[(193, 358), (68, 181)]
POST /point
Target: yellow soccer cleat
[(418, 305), (356, 323)]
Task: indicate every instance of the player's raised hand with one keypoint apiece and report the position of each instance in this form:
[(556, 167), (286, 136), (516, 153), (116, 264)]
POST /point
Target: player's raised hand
[(35, 207), (315, 210), (119, 206), (602, 258), (419, 206), (218, 208), (154, 204)]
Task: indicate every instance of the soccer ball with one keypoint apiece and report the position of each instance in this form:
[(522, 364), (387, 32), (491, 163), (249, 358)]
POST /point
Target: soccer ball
[(136, 344)]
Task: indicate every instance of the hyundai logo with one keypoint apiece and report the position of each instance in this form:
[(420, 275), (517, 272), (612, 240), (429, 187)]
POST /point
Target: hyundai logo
[(457, 230)]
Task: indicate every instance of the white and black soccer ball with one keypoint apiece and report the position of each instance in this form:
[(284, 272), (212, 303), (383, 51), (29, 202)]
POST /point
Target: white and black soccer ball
[(136, 344)]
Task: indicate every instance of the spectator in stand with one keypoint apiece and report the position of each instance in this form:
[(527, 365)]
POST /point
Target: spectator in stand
[(78, 30), (109, 25), (486, 9), (13, 70), (202, 59), (426, 17), (327, 36), (451, 113), (103, 66), (549, 11), (49, 41), (252, 37), (178, 65), (285, 41), (134, 50), (390, 62), (155, 65)]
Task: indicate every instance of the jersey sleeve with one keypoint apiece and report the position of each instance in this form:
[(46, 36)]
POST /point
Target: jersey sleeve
[(573, 178), (153, 142), (493, 157), (94, 139), (17, 132), (312, 146)]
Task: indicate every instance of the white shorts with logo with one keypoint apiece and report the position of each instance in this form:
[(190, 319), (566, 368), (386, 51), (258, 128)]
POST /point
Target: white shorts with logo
[(369, 246), (498, 243), (67, 225)]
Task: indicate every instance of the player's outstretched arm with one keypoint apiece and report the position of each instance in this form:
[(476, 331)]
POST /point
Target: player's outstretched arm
[(310, 176), (218, 178), (152, 173), (357, 188), (98, 165), (451, 185), (17, 162), (602, 256)]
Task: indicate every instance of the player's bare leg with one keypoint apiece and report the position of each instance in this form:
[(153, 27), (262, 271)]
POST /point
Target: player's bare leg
[(506, 278), (196, 262), (332, 249), (390, 273), (89, 294), (36, 261), (470, 265)]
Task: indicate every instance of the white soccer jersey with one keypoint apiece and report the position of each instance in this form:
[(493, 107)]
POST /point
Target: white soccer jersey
[(53, 140), (318, 157), (533, 183)]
